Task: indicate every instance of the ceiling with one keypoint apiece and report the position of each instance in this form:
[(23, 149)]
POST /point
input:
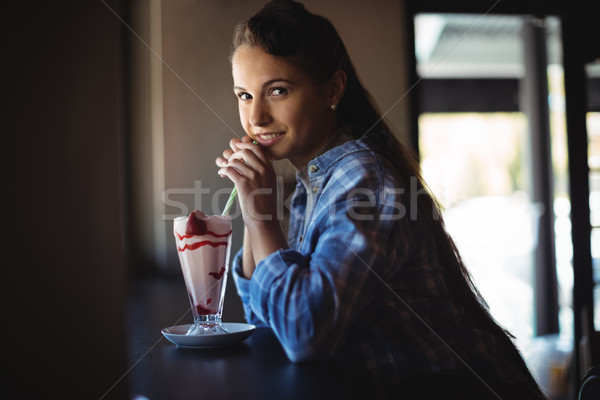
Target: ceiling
[(480, 46)]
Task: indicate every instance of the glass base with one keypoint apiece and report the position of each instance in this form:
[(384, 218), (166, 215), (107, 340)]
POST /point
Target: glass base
[(206, 329), (207, 325)]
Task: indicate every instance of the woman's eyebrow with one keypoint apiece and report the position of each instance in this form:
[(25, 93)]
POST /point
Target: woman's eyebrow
[(268, 83), (272, 81)]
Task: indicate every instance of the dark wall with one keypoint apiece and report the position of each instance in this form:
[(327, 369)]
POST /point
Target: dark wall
[(64, 259)]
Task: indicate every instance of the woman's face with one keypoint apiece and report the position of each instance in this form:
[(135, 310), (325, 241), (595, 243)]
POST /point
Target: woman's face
[(280, 106)]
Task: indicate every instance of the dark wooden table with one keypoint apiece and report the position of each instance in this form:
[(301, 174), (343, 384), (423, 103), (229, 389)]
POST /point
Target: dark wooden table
[(256, 368)]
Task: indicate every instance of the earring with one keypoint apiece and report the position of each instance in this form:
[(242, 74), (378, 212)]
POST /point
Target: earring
[(333, 107)]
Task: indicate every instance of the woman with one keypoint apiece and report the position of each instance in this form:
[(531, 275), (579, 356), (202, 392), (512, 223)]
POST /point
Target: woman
[(367, 278)]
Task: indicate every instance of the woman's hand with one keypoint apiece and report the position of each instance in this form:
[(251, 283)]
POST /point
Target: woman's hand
[(249, 168)]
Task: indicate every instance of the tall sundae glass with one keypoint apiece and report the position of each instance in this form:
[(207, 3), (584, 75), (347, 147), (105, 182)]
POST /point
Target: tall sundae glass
[(203, 245)]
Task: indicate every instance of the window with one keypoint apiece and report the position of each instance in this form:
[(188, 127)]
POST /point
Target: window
[(484, 150), (593, 126)]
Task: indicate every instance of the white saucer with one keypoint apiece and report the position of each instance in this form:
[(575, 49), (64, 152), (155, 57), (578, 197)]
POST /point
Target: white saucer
[(237, 332)]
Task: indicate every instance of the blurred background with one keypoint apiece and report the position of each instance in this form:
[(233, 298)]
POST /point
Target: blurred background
[(114, 112)]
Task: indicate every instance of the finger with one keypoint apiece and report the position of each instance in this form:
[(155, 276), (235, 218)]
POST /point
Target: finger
[(247, 157), (227, 153), (221, 162), (254, 149), (233, 143), (239, 165), (230, 172), (236, 175)]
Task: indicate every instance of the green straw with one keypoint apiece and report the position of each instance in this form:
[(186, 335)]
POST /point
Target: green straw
[(230, 201), (233, 195)]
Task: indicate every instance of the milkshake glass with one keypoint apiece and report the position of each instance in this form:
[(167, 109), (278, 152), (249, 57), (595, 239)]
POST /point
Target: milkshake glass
[(203, 245)]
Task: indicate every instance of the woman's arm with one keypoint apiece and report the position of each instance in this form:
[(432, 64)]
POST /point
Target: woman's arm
[(248, 264), (310, 300), (312, 296), (266, 238), (260, 240)]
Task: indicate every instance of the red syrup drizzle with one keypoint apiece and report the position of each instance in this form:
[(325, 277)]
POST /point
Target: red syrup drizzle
[(211, 233), (197, 245), (217, 275)]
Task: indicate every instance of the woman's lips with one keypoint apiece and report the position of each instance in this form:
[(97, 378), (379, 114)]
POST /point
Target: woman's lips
[(267, 139)]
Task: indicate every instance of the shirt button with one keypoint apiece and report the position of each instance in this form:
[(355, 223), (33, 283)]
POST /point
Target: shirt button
[(313, 168), (315, 189)]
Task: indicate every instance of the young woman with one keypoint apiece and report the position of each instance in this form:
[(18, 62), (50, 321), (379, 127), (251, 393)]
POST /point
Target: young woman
[(367, 278)]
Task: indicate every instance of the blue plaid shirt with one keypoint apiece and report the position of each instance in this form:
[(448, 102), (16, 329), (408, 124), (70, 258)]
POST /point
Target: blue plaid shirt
[(361, 283)]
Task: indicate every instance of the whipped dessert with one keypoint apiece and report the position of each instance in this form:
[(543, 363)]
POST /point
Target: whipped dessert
[(203, 244)]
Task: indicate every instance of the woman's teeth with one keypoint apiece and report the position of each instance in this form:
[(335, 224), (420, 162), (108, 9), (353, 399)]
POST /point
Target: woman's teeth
[(267, 137)]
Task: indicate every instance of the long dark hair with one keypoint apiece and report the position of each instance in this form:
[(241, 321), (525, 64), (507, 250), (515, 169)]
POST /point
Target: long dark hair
[(285, 29)]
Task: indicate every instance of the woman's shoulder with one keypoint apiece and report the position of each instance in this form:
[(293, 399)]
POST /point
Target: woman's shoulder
[(357, 166), (352, 158), (363, 157)]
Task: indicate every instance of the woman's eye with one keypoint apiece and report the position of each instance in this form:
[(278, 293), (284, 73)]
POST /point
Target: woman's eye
[(244, 96), (278, 91)]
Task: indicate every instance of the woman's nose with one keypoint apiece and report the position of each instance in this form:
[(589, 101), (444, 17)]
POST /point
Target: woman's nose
[(259, 114)]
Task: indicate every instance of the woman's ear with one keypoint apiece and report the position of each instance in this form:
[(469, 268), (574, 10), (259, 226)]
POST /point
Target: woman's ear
[(337, 86)]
